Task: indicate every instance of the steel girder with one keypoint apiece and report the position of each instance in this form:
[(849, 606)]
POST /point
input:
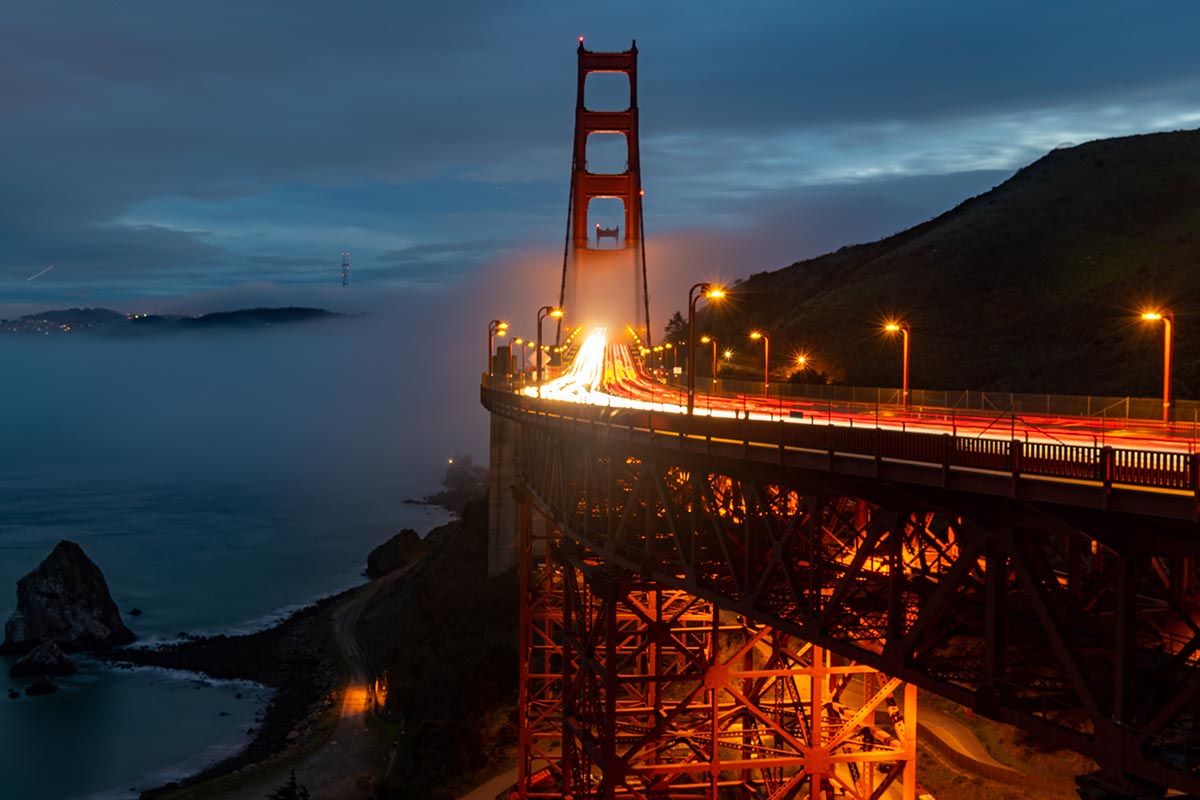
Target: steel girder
[(650, 692), (1079, 629), (674, 698)]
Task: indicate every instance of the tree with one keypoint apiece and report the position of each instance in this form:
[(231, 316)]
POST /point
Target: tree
[(290, 790), (676, 330)]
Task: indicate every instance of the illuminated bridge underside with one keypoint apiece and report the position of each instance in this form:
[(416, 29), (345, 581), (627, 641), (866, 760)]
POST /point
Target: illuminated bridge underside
[(630, 689), (1041, 610)]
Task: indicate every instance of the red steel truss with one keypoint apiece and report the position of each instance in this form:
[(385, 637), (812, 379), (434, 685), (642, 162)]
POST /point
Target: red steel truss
[(631, 689), (1076, 624)]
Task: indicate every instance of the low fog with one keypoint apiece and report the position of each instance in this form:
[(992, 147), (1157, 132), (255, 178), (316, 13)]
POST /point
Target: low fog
[(379, 397), (354, 400)]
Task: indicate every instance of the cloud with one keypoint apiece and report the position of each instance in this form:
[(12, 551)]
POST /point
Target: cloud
[(194, 147)]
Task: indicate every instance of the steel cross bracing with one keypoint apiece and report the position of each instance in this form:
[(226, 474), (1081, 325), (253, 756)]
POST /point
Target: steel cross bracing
[(1075, 624), (653, 692)]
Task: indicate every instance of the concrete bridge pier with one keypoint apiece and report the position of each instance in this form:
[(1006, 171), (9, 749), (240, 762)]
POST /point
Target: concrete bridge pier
[(502, 508)]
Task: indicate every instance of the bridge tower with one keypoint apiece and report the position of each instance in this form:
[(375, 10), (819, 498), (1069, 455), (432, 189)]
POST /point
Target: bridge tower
[(605, 286), (345, 269)]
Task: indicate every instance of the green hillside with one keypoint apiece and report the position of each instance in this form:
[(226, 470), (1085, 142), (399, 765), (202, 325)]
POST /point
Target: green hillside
[(1033, 286)]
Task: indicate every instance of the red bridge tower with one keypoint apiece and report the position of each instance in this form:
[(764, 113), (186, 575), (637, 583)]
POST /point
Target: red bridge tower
[(595, 282)]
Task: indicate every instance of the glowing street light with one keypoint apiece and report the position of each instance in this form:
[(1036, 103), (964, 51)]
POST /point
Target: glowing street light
[(671, 349), (713, 341), (712, 293), (496, 327), (902, 327), (1168, 320), (766, 355), (543, 312)]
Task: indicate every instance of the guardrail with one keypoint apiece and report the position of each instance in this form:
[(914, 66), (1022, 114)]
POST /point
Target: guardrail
[(1096, 464), (1142, 411)]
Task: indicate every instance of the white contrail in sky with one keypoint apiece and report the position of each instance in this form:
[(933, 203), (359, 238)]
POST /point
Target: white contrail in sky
[(40, 274)]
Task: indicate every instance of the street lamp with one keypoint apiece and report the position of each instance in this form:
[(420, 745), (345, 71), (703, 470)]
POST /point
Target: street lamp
[(766, 355), (496, 327), (1168, 319), (671, 348), (521, 343), (713, 340), (712, 293), (902, 327), (543, 312)]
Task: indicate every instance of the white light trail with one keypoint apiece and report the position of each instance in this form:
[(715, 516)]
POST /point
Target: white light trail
[(37, 275), (605, 374)]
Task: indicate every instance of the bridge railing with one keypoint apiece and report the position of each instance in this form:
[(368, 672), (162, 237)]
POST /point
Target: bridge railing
[(1096, 415), (1092, 463)]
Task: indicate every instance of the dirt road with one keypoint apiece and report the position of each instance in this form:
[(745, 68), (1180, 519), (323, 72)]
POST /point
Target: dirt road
[(343, 768)]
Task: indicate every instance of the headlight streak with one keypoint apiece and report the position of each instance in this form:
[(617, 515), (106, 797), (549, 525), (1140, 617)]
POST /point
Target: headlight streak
[(605, 374)]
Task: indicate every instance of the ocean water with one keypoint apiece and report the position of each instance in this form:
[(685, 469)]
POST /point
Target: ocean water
[(197, 557), (218, 482)]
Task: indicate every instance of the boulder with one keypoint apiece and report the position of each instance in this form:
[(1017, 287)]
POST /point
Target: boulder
[(42, 685), (399, 551), (45, 659), (65, 600)]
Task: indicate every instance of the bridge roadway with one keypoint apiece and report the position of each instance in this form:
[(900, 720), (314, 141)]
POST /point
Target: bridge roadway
[(1016, 620), (1036, 459)]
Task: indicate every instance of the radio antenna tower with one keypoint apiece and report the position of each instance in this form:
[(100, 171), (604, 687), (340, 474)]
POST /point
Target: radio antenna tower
[(345, 269)]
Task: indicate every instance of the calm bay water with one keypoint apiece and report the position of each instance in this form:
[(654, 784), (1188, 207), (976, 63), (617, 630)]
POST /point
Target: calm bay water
[(218, 481), (201, 557)]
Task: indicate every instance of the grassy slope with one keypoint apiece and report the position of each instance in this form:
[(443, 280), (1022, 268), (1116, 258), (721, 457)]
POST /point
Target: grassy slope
[(1029, 287), (446, 638)]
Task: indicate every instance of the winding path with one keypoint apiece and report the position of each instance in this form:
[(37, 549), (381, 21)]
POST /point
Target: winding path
[(344, 767)]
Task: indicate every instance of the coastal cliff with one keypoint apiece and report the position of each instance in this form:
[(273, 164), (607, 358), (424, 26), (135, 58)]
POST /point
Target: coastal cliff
[(445, 638)]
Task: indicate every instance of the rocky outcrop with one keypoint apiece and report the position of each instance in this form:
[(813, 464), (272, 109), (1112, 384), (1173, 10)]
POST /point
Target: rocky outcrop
[(399, 551), (65, 600), (45, 659)]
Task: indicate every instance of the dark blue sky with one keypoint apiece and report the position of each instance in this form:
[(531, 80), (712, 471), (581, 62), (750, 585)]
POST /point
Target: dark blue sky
[(191, 156)]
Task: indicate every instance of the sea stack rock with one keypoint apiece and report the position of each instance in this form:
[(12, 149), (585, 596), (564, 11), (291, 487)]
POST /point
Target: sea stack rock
[(45, 659), (65, 600)]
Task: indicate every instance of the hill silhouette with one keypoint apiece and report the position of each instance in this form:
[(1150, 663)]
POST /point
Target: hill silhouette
[(1034, 286)]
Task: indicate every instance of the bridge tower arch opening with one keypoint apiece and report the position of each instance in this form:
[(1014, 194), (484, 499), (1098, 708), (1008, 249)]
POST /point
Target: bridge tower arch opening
[(605, 285)]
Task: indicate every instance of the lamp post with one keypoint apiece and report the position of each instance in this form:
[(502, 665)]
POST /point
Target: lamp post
[(712, 293), (902, 327), (520, 342), (1168, 319), (671, 349), (713, 340), (766, 356), (543, 312), (496, 327)]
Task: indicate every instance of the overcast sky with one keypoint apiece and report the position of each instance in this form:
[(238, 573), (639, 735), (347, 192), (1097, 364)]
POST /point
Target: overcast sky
[(182, 154)]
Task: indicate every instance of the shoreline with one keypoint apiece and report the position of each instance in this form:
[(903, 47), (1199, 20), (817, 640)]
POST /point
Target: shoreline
[(285, 658), (296, 658)]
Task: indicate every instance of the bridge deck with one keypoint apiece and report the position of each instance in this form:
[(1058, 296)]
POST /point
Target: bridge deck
[(1143, 482)]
